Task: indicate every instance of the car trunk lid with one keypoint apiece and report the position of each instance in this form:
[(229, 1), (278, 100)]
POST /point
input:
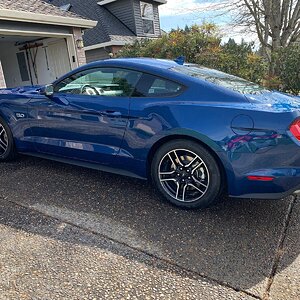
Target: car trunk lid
[(275, 101)]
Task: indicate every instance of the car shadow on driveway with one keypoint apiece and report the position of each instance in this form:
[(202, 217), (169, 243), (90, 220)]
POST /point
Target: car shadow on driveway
[(234, 242)]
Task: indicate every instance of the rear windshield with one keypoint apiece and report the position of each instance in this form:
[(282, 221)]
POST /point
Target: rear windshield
[(219, 78)]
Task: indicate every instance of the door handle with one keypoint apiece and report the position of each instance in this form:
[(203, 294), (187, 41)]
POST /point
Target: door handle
[(111, 113)]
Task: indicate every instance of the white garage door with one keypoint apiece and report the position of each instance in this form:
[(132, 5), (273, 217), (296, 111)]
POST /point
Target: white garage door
[(59, 62)]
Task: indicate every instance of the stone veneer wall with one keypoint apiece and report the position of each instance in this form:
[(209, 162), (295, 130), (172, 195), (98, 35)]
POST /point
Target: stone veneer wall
[(2, 79), (80, 52)]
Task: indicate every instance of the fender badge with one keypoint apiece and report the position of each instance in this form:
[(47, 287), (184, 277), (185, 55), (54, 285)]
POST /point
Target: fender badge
[(20, 115)]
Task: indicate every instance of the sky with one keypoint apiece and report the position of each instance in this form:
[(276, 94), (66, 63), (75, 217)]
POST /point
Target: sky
[(178, 13)]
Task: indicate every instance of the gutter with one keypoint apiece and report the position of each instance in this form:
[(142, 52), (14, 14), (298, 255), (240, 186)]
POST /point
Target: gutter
[(29, 17), (116, 43)]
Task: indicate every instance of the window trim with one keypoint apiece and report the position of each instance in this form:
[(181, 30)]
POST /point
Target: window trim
[(184, 86), (149, 19), (152, 19), (148, 33)]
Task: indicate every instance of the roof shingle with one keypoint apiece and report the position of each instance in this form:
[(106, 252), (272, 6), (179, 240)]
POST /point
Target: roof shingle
[(109, 27), (37, 6)]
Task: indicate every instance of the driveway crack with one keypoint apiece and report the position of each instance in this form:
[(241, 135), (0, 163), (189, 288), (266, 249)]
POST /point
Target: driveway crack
[(280, 248)]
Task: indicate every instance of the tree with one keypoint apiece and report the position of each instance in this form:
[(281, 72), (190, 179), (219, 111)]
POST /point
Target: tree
[(202, 45), (240, 59), (276, 23), (289, 69), (190, 42)]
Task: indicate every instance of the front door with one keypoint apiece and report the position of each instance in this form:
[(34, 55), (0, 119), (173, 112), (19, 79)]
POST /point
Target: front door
[(87, 116)]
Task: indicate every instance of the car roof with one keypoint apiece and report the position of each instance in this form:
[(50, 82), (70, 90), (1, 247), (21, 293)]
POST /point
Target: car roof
[(142, 62), (158, 67)]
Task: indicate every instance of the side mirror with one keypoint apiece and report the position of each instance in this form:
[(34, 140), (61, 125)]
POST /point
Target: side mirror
[(47, 90)]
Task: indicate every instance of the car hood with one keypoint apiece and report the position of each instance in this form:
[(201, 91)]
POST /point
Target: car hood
[(275, 101), (24, 90)]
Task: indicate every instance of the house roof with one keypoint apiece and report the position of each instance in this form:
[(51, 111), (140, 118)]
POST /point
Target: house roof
[(109, 29), (36, 10), (36, 6)]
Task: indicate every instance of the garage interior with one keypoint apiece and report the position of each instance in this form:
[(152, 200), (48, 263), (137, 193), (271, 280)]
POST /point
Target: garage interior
[(36, 54), (31, 60)]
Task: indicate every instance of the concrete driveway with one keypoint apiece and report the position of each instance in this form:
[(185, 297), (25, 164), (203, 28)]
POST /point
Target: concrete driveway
[(73, 233)]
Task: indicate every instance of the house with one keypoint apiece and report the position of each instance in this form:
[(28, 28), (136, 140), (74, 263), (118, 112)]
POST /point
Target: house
[(39, 42), (119, 22)]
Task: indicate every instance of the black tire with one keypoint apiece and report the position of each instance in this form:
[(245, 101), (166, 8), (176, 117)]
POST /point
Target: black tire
[(181, 181), (7, 146)]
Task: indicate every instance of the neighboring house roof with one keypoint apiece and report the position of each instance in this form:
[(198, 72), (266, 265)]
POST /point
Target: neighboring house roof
[(109, 31), (38, 11)]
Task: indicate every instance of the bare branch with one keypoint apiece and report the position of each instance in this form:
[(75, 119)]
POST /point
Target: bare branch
[(274, 21)]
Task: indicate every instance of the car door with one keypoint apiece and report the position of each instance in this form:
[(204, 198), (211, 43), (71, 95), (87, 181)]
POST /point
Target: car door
[(86, 118), (151, 113)]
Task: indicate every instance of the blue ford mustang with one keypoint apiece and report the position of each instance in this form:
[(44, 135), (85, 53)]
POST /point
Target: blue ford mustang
[(195, 132)]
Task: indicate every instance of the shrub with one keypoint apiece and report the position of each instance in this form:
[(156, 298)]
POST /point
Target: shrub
[(289, 69)]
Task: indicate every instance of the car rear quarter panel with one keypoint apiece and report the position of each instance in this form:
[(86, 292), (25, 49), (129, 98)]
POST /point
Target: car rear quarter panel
[(241, 149)]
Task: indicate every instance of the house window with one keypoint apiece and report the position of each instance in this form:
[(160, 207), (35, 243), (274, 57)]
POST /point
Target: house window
[(147, 14)]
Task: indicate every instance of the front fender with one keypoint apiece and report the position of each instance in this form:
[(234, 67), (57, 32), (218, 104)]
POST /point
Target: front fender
[(14, 111)]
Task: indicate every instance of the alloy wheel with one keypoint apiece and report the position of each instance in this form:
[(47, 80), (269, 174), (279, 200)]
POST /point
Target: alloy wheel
[(3, 140), (184, 175)]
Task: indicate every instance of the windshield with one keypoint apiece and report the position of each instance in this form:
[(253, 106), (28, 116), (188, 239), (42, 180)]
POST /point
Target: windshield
[(222, 79)]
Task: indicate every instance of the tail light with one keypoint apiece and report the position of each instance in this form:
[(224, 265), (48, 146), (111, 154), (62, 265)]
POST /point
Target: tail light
[(260, 178), (295, 129)]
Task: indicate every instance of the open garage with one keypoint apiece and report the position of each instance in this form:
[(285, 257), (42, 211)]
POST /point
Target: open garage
[(35, 49), (30, 61)]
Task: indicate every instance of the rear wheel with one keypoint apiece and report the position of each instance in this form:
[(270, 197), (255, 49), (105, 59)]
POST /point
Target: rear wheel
[(7, 148), (186, 174)]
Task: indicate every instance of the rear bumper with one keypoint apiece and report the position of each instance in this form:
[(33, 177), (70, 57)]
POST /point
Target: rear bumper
[(270, 196), (286, 182)]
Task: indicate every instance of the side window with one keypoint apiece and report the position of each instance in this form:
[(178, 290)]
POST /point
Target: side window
[(110, 82), (153, 86)]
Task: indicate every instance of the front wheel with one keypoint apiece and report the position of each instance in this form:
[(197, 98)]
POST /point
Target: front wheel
[(7, 148), (186, 174)]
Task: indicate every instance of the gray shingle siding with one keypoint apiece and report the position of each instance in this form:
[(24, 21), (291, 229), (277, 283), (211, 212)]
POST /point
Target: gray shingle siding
[(117, 21), (108, 26), (157, 21), (123, 10)]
